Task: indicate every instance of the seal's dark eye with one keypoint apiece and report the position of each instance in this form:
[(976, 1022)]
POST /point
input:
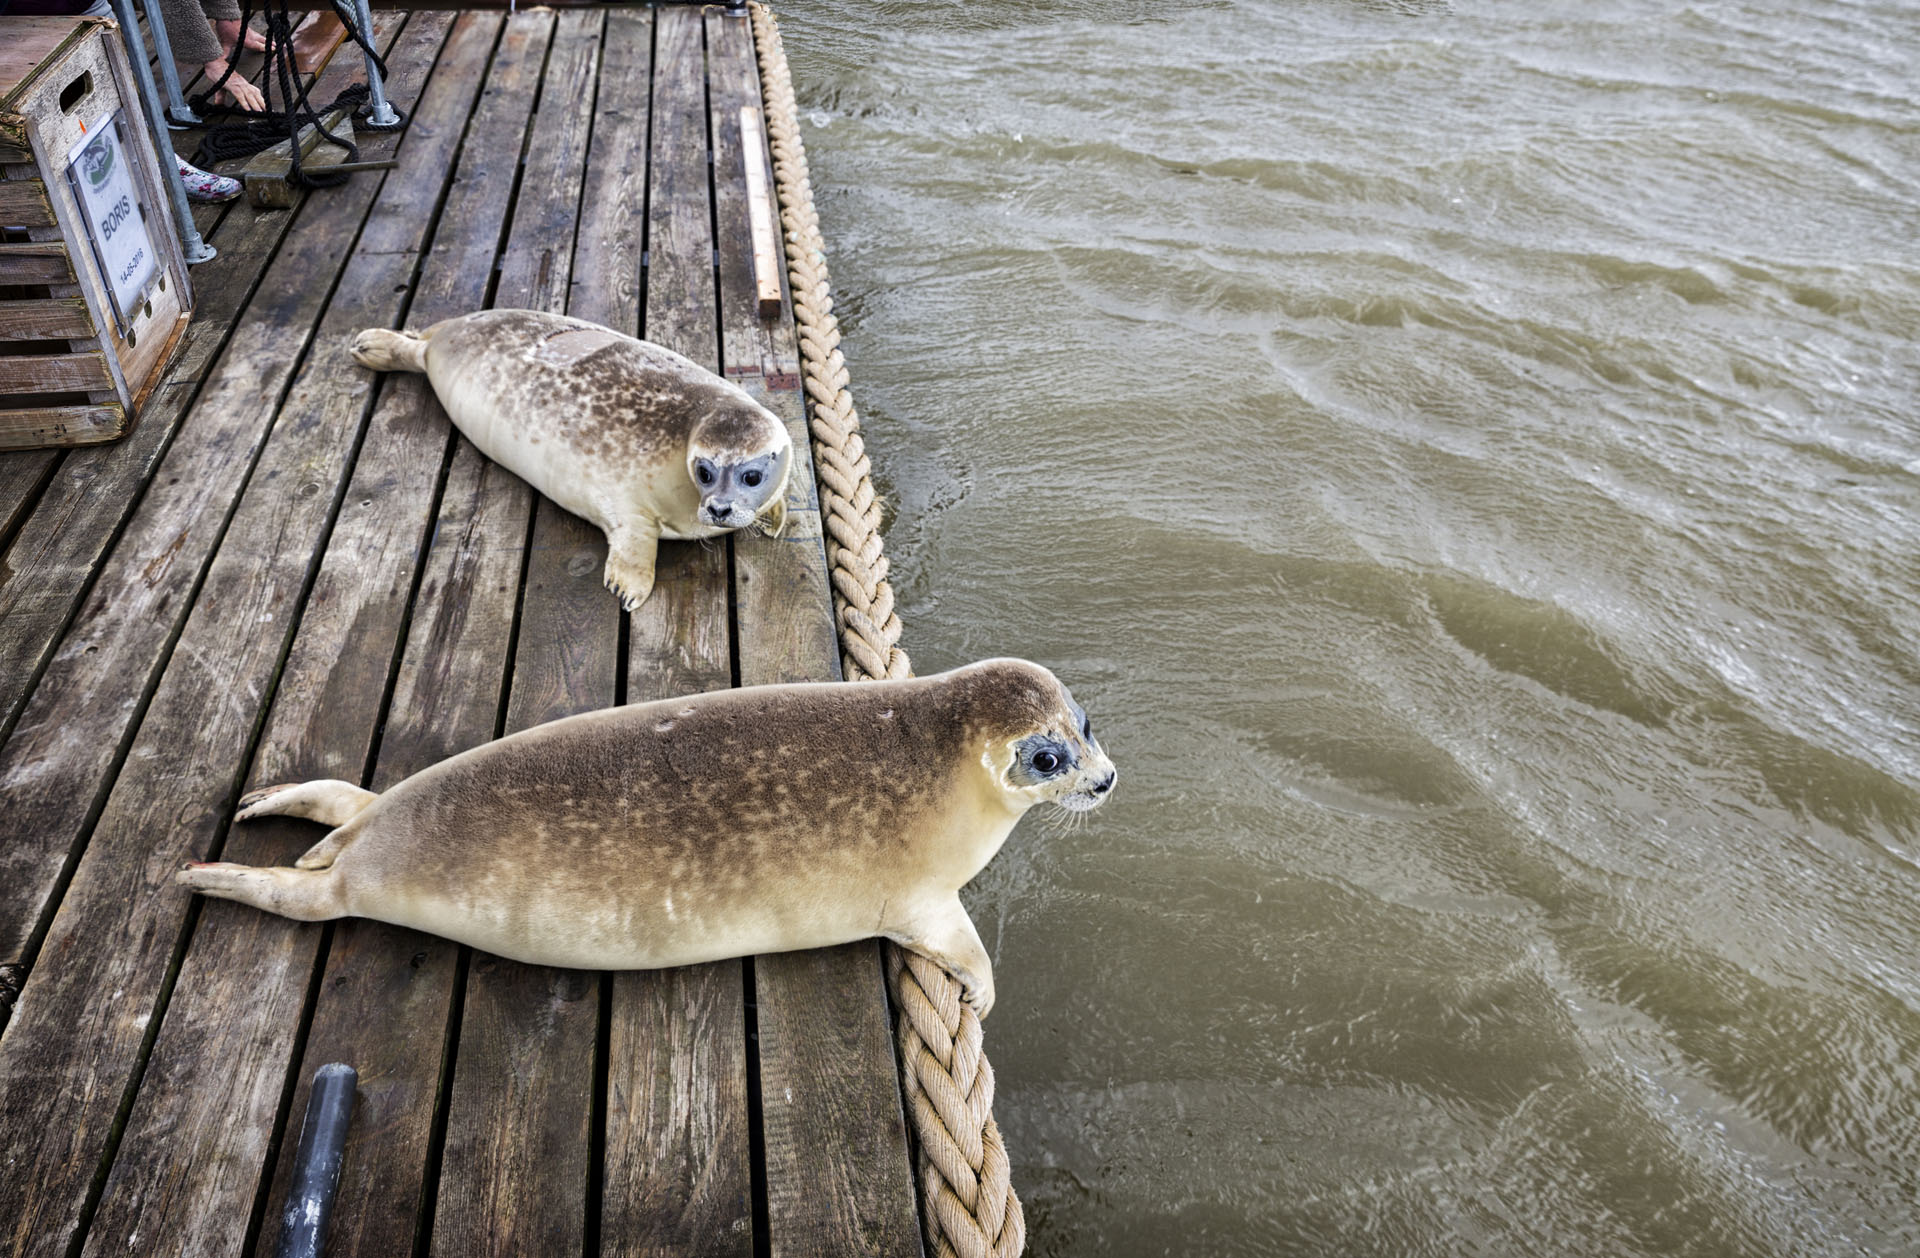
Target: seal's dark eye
[(1046, 762), (750, 479), (703, 474)]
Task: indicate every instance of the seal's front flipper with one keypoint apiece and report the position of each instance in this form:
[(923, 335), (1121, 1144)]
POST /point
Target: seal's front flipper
[(381, 349), (945, 936), (631, 549), (329, 801)]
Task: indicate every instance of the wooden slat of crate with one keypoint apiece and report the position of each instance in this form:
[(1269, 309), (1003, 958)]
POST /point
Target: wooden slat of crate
[(35, 262), (839, 1178), (515, 1172), (23, 203), (73, 1051), (53, 373), (45, 319), (60, 425), (388, 999), (678, 1171)]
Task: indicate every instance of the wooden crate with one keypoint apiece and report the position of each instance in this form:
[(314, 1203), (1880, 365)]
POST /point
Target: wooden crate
[(79, 355)]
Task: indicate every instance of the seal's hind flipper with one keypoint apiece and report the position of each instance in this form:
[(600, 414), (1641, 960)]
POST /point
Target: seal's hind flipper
[(328, 801), (304, 895)]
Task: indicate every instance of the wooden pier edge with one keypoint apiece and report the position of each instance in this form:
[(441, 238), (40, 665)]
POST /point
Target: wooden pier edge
[(968, 1205)]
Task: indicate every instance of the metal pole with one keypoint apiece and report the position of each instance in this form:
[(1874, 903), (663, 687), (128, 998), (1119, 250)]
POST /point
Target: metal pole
[(179, 114), (379, 112), (194, 249), (316, 1165)]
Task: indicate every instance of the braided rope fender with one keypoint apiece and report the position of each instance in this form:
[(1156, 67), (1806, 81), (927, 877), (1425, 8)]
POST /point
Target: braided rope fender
[(968, 1206)]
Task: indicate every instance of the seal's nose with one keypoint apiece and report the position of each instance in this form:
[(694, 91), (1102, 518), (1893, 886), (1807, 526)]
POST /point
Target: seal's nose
[(1101, 788)]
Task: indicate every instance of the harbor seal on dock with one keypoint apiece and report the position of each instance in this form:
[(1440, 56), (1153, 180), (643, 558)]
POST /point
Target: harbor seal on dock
[(723, 824), (628, 435)]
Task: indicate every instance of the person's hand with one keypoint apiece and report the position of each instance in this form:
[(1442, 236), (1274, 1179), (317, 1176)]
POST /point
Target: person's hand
[(242, 94)]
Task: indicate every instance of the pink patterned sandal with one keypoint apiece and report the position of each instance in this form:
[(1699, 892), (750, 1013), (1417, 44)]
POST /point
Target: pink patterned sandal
[(204, 185)]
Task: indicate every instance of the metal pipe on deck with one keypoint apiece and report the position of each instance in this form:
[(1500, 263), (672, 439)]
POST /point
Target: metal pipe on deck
[(316, 1165), (379, 111), (180, 115)]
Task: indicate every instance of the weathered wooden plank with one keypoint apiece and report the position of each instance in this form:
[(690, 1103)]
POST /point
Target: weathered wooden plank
[(64, 747), (678, 1178), (73, 1051), (23, 475), (514, 1175), (839, 1177), (47, 319), (61, 425), (47, 568), (23, 203), (53, 373), (605, 284), (242, 985), (35, 262), (388, 1001)]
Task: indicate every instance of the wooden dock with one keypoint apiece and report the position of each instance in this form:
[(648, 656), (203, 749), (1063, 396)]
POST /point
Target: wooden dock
[(293, 569)]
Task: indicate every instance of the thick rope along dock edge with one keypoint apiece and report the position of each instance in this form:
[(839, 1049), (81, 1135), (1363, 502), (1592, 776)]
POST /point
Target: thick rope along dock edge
[(968, 1205)]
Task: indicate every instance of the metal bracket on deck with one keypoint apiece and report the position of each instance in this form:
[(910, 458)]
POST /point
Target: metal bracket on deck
[(380, 112)]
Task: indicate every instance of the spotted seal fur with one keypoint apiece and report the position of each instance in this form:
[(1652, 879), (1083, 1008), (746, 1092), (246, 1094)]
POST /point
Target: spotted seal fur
[(629, 435)]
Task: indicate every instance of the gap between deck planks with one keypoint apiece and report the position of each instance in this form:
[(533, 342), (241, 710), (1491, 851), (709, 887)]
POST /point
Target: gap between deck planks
[(504, 1108)]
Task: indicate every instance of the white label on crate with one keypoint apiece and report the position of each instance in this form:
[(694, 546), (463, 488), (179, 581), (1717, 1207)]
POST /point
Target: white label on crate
[(102, 174)]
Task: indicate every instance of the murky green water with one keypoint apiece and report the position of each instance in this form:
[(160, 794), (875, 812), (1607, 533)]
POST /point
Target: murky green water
[(1465, 457)]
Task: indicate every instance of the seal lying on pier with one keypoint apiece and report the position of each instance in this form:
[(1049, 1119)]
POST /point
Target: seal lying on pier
[(719, 825), (626, 434)]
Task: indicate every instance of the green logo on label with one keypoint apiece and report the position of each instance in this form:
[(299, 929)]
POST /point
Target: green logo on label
[(97, 161)]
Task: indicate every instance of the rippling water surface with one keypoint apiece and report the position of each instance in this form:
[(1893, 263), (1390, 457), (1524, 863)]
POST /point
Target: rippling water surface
[(1465, 456)]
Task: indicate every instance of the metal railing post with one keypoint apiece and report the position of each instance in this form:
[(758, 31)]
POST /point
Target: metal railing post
[(194, 249), (379, 111), (179, 114)]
